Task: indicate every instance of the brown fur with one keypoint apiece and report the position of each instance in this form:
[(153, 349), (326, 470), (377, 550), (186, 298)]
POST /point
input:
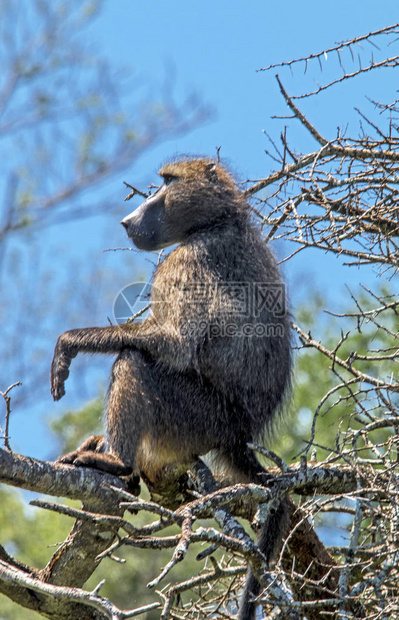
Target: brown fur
[(180, 385)]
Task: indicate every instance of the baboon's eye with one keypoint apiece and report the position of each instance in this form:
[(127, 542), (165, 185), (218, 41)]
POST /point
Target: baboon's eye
[(169, 178)]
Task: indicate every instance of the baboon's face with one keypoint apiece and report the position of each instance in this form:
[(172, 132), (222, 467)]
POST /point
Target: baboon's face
[(191, 198), (147, 225)]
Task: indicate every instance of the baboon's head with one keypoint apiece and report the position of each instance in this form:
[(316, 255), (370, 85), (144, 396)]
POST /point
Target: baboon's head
[(196, 195)]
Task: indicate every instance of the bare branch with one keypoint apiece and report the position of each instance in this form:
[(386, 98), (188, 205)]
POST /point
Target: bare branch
[(62, 593), (336, 48), (7, 400)]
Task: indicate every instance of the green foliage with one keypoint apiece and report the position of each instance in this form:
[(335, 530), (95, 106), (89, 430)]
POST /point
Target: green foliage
[(315, 376), (126, 582), (30, 535), (73, 426)]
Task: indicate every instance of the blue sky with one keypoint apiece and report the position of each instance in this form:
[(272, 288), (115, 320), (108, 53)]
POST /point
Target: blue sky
[(214, 48)]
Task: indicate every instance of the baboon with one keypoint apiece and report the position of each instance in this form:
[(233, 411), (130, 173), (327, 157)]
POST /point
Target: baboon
[(209, 368)]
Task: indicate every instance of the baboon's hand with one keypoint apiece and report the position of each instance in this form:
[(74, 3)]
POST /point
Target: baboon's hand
[(63, 355)]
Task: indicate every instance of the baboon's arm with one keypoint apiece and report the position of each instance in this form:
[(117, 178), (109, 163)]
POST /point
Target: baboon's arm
[(146, 336)]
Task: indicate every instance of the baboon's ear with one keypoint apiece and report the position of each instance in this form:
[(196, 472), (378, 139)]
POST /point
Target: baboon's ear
[(211, 172)]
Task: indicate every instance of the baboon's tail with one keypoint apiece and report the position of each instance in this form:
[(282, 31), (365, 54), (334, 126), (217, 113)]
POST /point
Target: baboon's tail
[(270, 541)]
